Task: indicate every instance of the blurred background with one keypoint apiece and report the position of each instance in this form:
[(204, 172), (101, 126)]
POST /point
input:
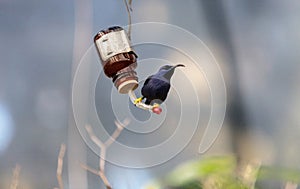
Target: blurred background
[(256, 44)]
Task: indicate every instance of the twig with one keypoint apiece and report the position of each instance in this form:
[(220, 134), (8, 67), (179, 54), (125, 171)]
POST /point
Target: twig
[(93, 137), (94, 171), (129, 9), (130, 4), (116, 133), (15, 180), (60, 161), (102, 159), (103, 147), (99, 173)]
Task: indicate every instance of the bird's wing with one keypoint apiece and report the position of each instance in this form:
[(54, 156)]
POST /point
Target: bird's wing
[(163, 91), (147, 80), (155, 88), (145, 87)]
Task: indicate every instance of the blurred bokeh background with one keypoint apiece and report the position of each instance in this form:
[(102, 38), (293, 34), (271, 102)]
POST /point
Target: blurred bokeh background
[(256, 43)]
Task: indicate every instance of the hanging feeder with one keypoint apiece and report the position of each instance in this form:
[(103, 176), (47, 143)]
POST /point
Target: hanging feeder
[(119, 62)]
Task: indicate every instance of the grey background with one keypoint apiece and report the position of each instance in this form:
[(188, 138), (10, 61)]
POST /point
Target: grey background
[(41, 42)]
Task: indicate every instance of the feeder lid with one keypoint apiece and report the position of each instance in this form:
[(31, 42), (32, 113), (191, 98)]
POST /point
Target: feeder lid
[(128, 85)]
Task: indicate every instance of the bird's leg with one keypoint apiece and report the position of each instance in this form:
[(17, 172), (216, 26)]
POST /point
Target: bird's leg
[(138, 100)]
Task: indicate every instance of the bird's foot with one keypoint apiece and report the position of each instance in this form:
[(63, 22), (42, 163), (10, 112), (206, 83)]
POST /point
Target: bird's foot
[(138, 100)]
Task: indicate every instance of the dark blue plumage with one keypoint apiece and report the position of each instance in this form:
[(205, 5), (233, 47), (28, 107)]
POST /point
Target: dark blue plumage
[(157, 86)]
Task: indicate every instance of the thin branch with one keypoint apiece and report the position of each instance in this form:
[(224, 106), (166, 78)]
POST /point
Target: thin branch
[(94, 171), (105, 180), (93, 137), (98, 173), (130, 4), (60, 161), (15, 180), (116, 133), (129, 9), (103, 147), (102, 159)]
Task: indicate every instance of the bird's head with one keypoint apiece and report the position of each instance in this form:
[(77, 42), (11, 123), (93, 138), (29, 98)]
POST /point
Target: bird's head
[(168, 70)]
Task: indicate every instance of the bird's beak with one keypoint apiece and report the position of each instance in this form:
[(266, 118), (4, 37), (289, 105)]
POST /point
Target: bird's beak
[(173, 68), (179, 65), (168, 74)]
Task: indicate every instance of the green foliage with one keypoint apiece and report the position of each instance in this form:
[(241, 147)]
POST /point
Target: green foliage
[(202, 169), (222, 172), (283, 174), (214, 173)]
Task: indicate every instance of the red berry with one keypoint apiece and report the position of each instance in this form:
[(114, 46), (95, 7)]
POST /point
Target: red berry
[(157, 110)]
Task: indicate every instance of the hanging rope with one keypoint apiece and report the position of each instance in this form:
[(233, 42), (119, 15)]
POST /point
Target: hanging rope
[(129, 10)]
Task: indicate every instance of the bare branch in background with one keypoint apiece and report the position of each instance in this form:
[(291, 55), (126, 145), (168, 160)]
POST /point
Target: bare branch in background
[(15, 179), (129, 10), (93, 137), (103, 147), (60, 161), (99, 173), (116, 133), (130, 4)]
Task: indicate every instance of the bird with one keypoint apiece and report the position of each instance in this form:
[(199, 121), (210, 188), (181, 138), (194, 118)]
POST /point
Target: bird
[(156, 87)]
